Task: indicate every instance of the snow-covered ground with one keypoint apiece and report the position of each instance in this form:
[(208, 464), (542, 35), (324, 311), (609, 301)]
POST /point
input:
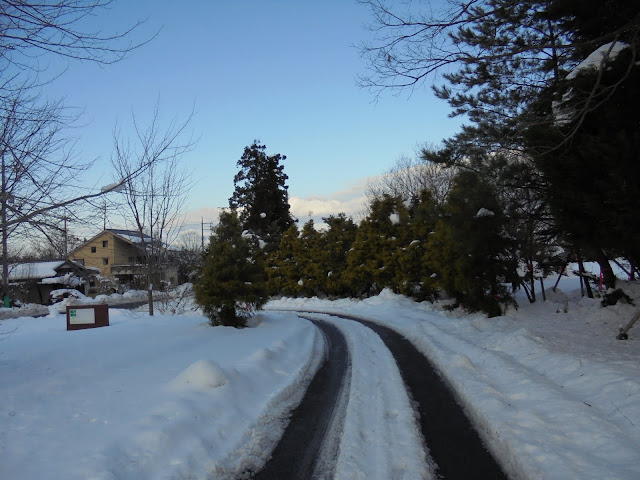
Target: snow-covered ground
[(555, 395), (37, 310)]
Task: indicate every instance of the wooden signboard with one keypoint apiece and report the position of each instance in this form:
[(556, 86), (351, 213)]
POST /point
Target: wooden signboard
[(87, 316)]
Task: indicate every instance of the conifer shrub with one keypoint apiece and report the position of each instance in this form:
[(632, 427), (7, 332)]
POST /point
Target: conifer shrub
[(232, 284)]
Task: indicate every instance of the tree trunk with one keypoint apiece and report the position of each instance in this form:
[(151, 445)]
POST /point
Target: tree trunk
[(544, 295), (583, 277), (525, 287), (560, 275), (5, 252), (149, 283), (608, 277), (532, 282)]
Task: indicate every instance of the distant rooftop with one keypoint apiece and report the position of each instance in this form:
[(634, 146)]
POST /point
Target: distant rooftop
[(37, 270), (131, 235)]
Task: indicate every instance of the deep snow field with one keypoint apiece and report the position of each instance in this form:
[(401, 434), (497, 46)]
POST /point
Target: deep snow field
[(555, 395)]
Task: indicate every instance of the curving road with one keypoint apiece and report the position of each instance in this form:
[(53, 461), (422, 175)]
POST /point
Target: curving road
[(305, 446), (309, 446), (453, 442)]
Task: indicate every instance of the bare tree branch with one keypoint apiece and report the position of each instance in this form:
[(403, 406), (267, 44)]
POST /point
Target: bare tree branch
[(155, 184)]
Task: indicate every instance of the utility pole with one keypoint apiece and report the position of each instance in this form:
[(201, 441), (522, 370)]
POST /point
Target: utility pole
[(104, 213), (66, 236)]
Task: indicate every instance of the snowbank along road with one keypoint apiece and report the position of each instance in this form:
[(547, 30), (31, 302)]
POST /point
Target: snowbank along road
[(377, 398)]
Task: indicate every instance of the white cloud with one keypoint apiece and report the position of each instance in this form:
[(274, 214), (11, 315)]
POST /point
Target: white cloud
[(351, 201)]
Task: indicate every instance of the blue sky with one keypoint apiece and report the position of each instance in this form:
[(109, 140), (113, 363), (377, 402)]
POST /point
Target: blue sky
[(283, 72)]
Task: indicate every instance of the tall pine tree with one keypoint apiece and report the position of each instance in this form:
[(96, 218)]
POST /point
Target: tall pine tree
[(507, 69), (589, 146), (261, 196)]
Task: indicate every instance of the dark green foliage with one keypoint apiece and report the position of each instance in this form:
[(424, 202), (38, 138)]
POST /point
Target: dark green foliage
[(334, 246), (507, 69), (528, 222), (470, 250), (311, 261), (295, 268), (261, 195), (596, 22), (592, 162), (283, 269), (232, 283), (414, 274), (371, 261)]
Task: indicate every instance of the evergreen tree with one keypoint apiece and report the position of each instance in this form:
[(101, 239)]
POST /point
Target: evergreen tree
[(414, 274), (470, 249), (310, 259), (282, 265), (496, 57), (528, 222), (371, 260), (334, 246), (508, 73), (589, 153), (232, 283), (260, 194)]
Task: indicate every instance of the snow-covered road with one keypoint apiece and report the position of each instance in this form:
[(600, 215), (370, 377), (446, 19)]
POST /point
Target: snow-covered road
[(380, 437)]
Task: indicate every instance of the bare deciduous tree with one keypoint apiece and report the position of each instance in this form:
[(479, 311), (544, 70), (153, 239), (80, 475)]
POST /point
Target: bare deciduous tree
[(30, 31), (410, 176), (153, 199), (37, 167)]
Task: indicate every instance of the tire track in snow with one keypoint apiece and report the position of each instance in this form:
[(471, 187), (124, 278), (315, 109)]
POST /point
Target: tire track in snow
[(381, 437), (451, 439), (305, 451)]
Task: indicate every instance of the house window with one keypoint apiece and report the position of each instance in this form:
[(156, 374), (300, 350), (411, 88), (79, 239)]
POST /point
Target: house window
[(105, 243), (131, 259), (93, 249), (105, 261)]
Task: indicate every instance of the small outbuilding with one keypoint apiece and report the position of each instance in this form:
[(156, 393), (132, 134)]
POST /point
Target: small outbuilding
[(33, 282)]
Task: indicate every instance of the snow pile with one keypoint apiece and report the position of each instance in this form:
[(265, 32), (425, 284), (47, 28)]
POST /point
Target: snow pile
[(25, 310), (201, 375), (134, 294), (68, 279)]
